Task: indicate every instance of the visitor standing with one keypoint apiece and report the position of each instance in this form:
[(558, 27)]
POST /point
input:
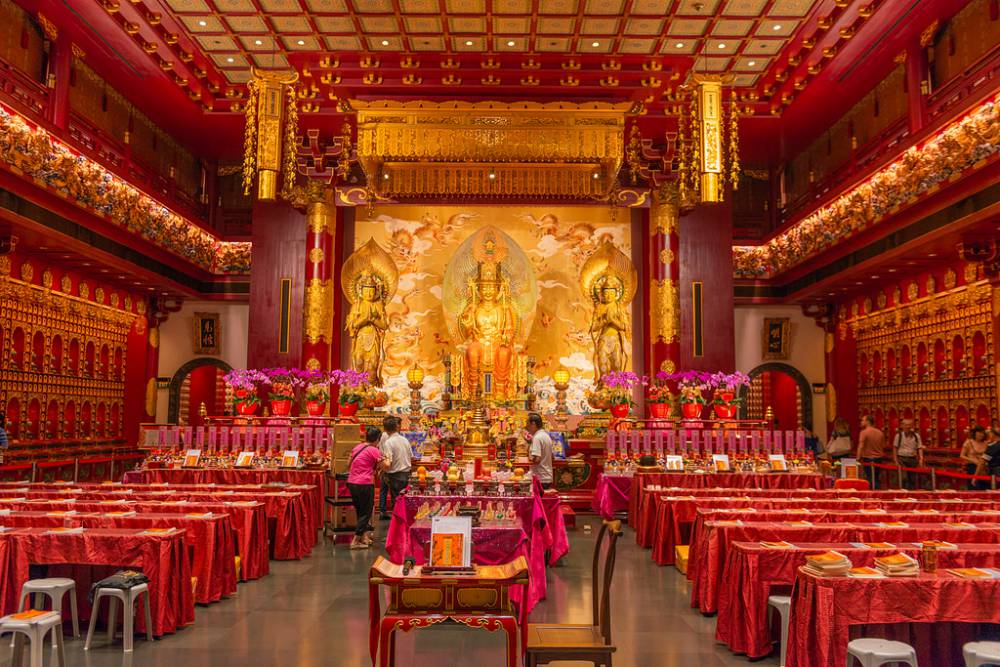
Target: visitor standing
[(400, 456), (366, 461), (4, 441), (871, 446), (839, 445), (972, 452), (540, 451), (383, 493), (908, 449)]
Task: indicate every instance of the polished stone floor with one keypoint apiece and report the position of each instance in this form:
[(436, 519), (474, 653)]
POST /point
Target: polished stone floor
[(314, 612)]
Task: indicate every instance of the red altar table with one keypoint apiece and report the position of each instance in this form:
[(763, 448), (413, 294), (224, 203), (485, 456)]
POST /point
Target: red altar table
[(534, 524), (612, 496), (754, 569), (239, 477), (209, 539), (163, 558), (481, 599), (710, 553), (826, 611)]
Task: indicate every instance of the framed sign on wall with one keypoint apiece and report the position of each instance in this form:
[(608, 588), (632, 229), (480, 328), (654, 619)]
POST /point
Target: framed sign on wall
[(776, 338), (206, 333)]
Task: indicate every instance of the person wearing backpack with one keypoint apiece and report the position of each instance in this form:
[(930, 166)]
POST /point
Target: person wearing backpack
[(839, 445), (908, 449)]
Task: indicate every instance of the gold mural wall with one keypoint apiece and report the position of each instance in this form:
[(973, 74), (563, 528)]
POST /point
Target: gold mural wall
[(557, 240)]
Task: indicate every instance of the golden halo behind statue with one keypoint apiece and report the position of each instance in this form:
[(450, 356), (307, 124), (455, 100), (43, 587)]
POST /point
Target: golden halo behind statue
[(475, 259), (608, 266), (367, 262)]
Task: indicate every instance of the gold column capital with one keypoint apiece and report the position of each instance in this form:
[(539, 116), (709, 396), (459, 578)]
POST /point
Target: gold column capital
[(664, 212)]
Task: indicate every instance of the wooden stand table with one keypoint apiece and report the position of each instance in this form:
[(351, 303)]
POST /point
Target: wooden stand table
[(418, 600)]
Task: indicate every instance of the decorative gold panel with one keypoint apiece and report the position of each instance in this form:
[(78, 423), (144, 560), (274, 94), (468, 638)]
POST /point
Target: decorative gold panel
[(421, 598), (666, 312), (477, 598), (317, 317)]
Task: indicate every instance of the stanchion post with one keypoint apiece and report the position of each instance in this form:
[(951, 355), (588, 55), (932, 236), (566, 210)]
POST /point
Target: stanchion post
[(899, 476), (933, 480), (34, 471), (76, 470), (993, 482)]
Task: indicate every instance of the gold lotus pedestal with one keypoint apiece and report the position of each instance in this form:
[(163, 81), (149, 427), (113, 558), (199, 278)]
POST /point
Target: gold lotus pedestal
[(594, 425)]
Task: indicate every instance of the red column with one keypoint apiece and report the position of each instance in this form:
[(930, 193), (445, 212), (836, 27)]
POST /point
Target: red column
[(663, 266), (320, 295), (841, 372)]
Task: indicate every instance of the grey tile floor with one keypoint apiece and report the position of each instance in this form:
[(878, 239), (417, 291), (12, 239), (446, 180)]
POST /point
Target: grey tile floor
[(315, 612)]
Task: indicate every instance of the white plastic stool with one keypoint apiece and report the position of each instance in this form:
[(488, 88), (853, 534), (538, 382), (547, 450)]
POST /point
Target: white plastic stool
[(875, 652), (783, 605), (977, 654), (128, 599), (35, 630), (55, 589)]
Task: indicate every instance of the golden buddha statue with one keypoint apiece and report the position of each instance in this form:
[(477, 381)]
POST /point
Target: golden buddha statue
[(369, 279), (609, 279), (489, 296)]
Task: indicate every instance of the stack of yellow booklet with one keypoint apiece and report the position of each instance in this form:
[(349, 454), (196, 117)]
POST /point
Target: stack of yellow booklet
[(897, 565), (828, 564)]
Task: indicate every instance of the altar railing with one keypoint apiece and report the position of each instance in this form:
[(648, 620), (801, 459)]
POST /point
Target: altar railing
[(308, 436), (696, 441)]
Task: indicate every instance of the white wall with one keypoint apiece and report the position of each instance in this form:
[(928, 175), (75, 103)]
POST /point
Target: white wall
[(177, 341), (805, 352)]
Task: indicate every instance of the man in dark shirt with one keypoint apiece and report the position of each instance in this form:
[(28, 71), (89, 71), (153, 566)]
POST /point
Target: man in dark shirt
[(991, 457)]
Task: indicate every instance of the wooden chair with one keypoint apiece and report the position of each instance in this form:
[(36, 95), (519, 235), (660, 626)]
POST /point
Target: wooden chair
[(548, 642)]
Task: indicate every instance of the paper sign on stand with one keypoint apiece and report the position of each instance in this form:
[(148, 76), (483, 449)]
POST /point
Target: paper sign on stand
[(767, 442), (695, 442), (609, 442), (779, 443), (777, 462), (720, 463), (192, 458), (849, 469), (671, 441), (245, 459), (755, 442), (675, 463), (647, 442), (290, 459), (451, 541), (658, 443)]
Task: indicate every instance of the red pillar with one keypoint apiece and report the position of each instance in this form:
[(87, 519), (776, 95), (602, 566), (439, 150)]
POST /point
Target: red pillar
[(916, 76), (707, 339), (841, 372), (320, 295), (60, 65), (663, 267)]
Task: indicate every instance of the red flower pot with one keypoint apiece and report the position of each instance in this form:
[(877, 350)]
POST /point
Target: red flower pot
[(691, 410), (620, 411), (659, 410), (281, 408), (315, 408), (725, 411), (348, 409), (246, 409)]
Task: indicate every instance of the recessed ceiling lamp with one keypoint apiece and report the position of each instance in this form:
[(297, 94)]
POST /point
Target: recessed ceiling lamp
[(301, 42), (468, 42), (751, 63), (874, 277), (510, 42), (722, 45), (595, 44), (203, 23), (776, 27), (385, 42), (679, 45), (932, 254), (258, 42), (229, 60)]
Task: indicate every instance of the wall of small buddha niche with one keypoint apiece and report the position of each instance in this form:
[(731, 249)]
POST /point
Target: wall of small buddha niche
[(922, 348), (805, 354), (177, 352), (556, 240), (70, 345)]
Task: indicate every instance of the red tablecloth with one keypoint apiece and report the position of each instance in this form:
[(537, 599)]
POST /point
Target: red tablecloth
[(533, 522), (556, 538), (611, 495), (825, 609), (209, 539), (240, 476), (707, 561), (162, 558), (754, 569), (248, 521), (290, 511)]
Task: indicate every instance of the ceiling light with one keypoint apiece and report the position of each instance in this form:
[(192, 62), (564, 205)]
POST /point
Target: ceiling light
[(679, 45), (258, 42), (751, 63), (722, 45), (301, 42), (776, 27), (874, 277), (510, 43), (468, 42), (229, 60), (385, 42), (892, 270), (932, 254), (203, 23), (595, 44), (385, 177)]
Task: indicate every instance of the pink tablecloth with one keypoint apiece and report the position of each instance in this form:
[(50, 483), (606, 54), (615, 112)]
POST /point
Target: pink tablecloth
[(754, 571), (533, 523), (937, 609), (612, 496)]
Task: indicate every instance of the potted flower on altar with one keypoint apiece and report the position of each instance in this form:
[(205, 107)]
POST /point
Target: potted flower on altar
[(597, 398), (619, 385), (352, 390), (691, 385), (658, 398), (244, 385), (283, 382), (317, 392), (726, 386)]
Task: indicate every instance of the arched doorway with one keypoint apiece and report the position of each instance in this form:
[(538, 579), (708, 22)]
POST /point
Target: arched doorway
[(782, 388), (196, 383)]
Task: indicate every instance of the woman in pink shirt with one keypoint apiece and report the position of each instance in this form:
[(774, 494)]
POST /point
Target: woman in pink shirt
[(366, 462)]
